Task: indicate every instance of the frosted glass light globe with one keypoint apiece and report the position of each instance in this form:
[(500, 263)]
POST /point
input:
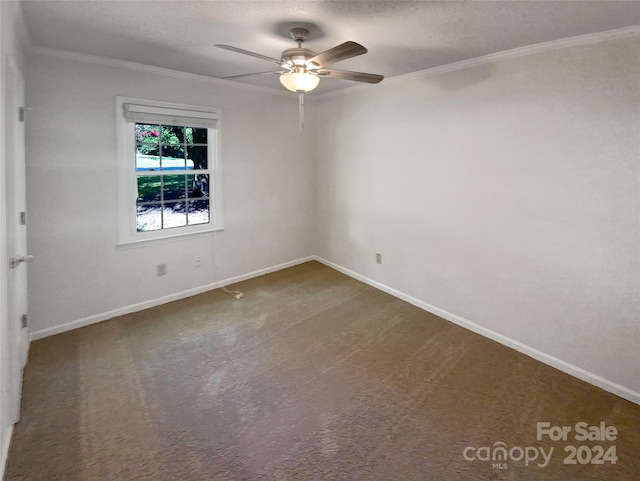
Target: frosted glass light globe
[(296, 81)]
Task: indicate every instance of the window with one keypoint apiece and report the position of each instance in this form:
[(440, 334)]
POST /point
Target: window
[(169, 172)]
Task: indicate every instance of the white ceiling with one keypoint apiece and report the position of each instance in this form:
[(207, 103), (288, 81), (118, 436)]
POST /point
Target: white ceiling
[(401, 37)]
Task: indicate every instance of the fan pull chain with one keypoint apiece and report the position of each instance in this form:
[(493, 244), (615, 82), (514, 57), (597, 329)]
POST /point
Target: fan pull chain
[(300, 110)]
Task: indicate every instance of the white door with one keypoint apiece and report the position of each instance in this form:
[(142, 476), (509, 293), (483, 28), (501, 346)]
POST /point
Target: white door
[(17, 339)]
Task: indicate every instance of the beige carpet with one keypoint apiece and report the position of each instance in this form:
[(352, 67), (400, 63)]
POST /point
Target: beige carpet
[(312, 376)]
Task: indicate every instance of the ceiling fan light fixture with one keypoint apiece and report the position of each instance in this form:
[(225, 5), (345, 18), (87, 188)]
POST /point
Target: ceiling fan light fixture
[(299, 81)]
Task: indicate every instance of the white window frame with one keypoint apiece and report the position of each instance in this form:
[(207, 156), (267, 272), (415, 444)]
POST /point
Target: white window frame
[(128, 236)]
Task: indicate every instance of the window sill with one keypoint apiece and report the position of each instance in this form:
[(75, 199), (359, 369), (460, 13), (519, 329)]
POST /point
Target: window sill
[(147, 241)]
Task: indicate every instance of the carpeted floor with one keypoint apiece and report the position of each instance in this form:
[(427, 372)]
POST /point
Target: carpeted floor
[(311, 376)]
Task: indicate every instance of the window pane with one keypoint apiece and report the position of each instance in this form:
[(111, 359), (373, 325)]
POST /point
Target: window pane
[(149, 188), (174, 215), (173, 157), (198, 155), (174, 187), (148, 217), (148, 149), (196, 136), (198, 212), (146, 162), (147, 134), (198, 185), (172, 134)]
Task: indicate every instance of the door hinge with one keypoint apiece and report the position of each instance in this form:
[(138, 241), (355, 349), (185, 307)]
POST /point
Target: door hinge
[(22, 111), (23, 218), (25, 320)]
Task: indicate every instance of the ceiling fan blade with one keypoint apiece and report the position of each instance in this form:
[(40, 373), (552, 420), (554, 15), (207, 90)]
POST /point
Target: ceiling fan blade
[(233, 77), (370, 78), (251, 54), (336, 54)]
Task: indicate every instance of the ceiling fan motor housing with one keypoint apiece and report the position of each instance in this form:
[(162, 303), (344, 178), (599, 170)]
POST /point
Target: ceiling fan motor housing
[(297, 57)]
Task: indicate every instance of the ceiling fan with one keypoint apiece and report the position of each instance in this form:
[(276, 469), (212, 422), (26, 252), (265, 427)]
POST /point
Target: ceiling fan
[(301, 68)]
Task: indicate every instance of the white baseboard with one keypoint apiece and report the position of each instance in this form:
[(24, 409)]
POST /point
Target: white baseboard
[(548, 359), (86, 321), (5, 445)]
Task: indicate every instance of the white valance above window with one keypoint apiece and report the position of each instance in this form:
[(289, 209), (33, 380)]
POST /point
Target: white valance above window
[(147, 114)]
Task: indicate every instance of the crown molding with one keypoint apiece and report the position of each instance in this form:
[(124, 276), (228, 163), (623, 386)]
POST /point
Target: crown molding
[(463, 64), (575, 41), (124, 64)]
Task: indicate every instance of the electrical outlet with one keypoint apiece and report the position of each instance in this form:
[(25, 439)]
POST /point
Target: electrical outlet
[(198, 261), (162, 270), (378, 258)]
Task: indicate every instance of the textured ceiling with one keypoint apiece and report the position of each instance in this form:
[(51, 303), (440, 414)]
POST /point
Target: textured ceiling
[(401, 37)]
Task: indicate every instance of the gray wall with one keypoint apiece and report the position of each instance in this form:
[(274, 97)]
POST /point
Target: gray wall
[(72, 190), (505, 194)]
